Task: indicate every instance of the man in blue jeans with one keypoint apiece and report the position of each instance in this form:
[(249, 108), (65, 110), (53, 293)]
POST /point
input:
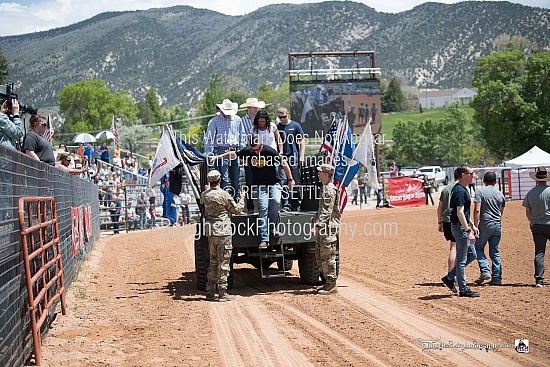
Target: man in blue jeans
[(464, 232), (489, 206), (537, 210), (294, 146)]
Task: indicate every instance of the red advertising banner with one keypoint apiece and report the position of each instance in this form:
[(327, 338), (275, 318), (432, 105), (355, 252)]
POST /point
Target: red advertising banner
[(76, 224), (405, 191), (87, 213)]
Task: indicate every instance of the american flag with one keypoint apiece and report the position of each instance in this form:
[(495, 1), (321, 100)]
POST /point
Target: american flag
[(48, 133), (114, 131), (327, 145), (338, 143)]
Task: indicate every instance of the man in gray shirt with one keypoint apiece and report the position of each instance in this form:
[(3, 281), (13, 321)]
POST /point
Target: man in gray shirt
[(489, 206), (537, 210)]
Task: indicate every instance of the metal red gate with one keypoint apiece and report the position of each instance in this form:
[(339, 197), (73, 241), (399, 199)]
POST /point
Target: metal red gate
[(42, 259)]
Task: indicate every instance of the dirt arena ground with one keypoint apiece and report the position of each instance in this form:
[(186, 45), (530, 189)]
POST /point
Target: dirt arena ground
[(135, 303)]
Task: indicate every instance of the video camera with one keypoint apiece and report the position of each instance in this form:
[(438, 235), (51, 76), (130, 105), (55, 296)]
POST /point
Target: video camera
[(7, 94)]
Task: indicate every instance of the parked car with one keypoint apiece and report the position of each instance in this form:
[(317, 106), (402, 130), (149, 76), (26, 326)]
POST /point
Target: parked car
[(435, 173)]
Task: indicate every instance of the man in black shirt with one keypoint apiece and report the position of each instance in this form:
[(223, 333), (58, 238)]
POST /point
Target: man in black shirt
[(263, 161), (463, 230)]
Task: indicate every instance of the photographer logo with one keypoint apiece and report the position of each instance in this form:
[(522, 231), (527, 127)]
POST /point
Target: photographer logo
[(521, 345)]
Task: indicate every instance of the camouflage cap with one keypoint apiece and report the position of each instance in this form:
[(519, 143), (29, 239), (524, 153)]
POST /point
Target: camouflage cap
[(213, 176), (327, 168)]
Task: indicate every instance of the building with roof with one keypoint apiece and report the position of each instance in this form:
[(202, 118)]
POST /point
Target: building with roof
[(437, 98)]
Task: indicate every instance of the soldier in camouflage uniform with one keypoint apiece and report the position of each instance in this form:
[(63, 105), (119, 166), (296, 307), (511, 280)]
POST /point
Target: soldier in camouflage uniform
[(326, 225), (218, 205)]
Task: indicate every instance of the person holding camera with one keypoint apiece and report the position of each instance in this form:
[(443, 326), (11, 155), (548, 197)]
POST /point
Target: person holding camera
[(11, 130)]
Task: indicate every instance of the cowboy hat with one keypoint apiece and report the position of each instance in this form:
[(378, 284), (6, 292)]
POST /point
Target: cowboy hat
[(253, 102), (540, 174), (228, 108)]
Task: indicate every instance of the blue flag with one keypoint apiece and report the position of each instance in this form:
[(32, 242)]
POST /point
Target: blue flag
[(339, 144), (189, 153), (169, 207)]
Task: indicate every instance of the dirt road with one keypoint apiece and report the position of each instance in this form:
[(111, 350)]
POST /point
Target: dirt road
[(135, 304)]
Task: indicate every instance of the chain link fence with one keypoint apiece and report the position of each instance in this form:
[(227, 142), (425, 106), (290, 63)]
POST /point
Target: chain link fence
[(22, 176)]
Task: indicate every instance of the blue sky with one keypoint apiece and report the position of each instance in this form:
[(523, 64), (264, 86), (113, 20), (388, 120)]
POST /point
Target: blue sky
[(27, 16)]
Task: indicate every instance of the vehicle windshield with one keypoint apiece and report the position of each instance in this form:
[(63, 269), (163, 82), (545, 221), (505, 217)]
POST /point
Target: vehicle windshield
[(426, 170)]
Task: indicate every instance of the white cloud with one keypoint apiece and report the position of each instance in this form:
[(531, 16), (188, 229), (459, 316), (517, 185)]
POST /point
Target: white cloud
[(28, 16)]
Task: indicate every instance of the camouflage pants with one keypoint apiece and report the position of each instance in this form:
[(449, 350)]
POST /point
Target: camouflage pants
[(220, 248), (325, 255)]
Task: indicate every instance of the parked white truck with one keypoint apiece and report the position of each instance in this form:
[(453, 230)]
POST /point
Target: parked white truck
[(435, 173)]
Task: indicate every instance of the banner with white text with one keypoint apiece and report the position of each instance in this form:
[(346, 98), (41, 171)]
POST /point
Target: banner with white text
[(405, 192)]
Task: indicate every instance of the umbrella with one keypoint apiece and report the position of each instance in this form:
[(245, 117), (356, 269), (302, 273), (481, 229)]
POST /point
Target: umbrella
[(106, 134), (84, 138)]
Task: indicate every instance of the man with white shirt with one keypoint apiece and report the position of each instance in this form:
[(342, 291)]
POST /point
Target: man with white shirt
[(224, 134)]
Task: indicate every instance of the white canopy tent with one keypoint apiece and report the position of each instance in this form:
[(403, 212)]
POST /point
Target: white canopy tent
[(518, 177), (535, 157)]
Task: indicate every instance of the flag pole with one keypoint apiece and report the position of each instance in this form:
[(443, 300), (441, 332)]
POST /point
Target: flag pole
[(114, 140)]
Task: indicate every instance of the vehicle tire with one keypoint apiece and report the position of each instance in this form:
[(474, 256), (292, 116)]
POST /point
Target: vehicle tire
[(307, 265), (287, 265), (202, 260)]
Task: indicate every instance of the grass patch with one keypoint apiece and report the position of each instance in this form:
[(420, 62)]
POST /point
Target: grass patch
[(390, 120), (80, 293)]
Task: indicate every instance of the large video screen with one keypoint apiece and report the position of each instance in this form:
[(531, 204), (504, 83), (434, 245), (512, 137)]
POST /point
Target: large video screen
[(314, 104)]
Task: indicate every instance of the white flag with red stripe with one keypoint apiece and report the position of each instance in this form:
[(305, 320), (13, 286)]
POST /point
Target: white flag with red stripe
[(165, 158), (365, 154)]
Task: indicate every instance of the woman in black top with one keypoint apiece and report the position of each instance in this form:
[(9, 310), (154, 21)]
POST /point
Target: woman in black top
[(35, 145), (427, 185)]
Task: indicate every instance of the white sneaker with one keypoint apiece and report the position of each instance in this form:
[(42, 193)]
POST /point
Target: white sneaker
[(481, 279), (538, 285), (263, 245)]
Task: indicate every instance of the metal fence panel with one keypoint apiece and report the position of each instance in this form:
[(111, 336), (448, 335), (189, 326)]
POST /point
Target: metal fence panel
[(22, 176)]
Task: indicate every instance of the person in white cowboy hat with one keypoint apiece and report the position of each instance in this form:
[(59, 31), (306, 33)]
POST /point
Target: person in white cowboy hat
[(225, 133), (537, 210), (252, 106)]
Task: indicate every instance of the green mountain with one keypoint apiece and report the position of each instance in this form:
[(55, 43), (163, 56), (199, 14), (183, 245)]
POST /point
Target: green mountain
[(176, 50)]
